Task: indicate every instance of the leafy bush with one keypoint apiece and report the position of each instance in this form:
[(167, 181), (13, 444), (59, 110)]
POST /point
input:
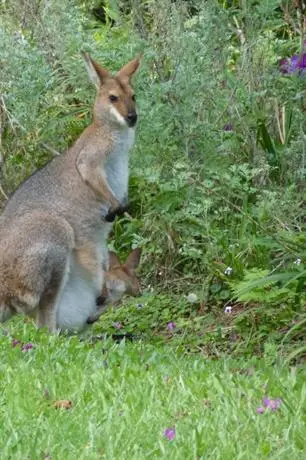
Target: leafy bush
[(218, 170)]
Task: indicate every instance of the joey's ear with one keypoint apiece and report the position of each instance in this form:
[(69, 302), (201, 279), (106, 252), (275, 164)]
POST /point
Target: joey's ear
[(133, 259), (129, 69), (97, 73), (113, 259)]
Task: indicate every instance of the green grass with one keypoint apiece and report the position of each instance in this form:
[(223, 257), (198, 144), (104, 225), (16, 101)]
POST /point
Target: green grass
[(124, 395)]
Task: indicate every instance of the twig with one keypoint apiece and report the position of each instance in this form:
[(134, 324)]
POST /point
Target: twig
[(3, 192), (280, 116), (239, 31), (301, 6), (288, 18), (128, 216), (175, 71), (231, 96), (49, 148)]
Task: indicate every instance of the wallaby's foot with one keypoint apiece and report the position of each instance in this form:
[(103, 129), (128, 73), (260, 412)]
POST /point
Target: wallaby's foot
[(5, 312), (46, 318), (111, 215)]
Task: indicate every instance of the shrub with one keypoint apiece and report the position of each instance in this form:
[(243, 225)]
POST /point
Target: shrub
[(218, 171)]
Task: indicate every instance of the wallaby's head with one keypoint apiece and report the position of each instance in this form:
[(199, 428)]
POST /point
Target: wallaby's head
[(121, 278), (115, 101)]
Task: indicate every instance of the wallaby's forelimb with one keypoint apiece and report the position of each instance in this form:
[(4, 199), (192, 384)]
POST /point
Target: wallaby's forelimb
[(96, 316), (102, 303), (94, 176)]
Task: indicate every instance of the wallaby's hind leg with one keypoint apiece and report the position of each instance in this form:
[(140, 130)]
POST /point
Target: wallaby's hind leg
[(34, 265), (46, 313), (46, 316)]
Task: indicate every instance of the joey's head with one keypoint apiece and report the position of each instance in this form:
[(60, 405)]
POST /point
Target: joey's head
[(121, 278), (115, 102)]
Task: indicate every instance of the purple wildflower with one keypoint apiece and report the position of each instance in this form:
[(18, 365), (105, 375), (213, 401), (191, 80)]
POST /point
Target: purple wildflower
[(139, 305), (260, 410), (228, 127), (272, 404), (275, 404), (117, 325), (27, 346), (296, 63), (171, 326), (170, 433), (15, 342)]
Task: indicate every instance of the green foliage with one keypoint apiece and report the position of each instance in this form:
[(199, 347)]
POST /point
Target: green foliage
[(218, 171), (259, 286)]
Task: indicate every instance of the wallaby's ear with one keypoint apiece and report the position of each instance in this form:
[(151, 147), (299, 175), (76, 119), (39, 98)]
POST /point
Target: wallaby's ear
[(129, 69), (113, 259), (133, 259), (97, 74)]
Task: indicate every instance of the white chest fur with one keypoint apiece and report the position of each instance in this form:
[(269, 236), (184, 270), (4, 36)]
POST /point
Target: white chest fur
[(117, 172), (117, 164)]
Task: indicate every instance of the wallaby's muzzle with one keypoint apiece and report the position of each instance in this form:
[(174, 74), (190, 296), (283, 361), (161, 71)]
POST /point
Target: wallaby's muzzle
[(131, 119)]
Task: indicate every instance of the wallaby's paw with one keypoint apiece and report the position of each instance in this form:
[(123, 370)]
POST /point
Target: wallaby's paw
[(111, 216), (92, 319), (105, 211)]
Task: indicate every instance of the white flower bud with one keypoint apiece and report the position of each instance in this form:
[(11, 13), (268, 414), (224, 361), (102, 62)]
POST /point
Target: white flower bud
[(192, 298)]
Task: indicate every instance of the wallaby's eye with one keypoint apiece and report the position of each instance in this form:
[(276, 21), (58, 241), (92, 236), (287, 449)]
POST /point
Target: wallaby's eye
[(113, 98), (133, 97)]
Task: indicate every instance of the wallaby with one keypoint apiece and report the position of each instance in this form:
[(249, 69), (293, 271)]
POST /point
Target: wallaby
[(53, 228), (120, 279)]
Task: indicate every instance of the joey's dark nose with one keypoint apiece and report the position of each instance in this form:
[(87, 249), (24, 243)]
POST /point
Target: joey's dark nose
[(131, 118)]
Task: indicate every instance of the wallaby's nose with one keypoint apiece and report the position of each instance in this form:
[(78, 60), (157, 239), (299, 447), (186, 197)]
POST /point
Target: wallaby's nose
[(131, 118)]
